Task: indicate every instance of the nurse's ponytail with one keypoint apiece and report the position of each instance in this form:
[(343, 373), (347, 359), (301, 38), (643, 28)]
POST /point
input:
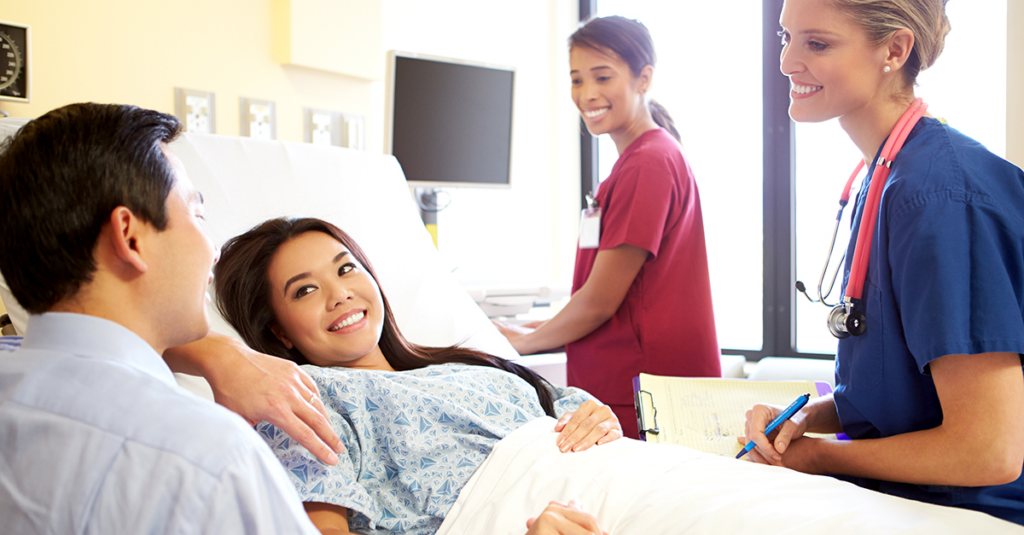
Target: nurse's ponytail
[(631, 41), (664, 120)]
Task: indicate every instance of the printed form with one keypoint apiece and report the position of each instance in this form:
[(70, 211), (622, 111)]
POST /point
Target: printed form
[(709, 414)]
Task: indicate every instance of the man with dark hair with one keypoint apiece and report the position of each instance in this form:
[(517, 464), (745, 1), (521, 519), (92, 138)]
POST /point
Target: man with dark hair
[(103, 243)]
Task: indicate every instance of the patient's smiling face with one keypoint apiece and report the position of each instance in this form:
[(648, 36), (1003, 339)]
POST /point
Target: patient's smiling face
[(326, 304)]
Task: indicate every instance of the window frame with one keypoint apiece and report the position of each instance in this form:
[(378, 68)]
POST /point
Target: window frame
[(589, 168)]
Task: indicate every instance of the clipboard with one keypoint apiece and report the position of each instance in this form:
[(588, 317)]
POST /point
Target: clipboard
[(707, 414)]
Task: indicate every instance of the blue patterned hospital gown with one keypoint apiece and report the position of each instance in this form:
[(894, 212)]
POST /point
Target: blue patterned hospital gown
[(413, 439)]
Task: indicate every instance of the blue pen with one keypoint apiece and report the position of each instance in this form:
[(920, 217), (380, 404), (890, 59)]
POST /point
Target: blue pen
[(786, 414)]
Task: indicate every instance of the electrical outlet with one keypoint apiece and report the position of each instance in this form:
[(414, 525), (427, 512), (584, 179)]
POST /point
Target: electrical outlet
[(257, 118), (353, 131), (195, 109), (320, 127), (324, 127)]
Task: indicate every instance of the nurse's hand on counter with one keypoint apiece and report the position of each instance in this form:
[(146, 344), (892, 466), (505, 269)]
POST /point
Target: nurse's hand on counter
[(592, 423), (514, 333), (770, 451)]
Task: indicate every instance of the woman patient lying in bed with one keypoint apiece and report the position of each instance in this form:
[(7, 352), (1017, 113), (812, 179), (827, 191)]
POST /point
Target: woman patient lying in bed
[(416, 421)]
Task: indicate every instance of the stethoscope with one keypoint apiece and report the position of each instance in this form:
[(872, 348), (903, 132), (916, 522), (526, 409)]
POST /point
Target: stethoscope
[(848, 317)]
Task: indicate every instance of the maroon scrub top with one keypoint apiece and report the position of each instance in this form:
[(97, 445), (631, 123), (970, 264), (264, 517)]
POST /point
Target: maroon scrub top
[(665, 325)]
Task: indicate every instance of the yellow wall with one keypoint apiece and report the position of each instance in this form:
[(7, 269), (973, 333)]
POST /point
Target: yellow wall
[(137, 51)]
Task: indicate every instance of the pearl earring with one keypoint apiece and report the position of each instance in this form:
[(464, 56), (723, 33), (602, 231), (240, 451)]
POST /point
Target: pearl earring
[(886, 69)]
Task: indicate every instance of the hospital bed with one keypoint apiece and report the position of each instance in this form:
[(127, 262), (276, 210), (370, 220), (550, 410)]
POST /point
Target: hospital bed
[(246, 181)]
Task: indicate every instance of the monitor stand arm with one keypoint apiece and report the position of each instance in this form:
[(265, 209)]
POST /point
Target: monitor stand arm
[(426, 199)]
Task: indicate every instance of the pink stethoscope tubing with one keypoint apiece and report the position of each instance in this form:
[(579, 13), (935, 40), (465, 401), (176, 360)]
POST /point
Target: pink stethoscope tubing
[(862, 250), (847, 318)]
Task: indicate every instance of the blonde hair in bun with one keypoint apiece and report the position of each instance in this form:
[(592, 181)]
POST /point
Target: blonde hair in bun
[(880, 19)]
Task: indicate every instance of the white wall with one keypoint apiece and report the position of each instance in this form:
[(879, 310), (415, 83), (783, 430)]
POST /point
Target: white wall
[(527, 232), (1015, 82)]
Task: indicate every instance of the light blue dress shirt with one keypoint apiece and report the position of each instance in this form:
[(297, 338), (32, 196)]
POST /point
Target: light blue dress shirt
[(413, 439), (96, 437)]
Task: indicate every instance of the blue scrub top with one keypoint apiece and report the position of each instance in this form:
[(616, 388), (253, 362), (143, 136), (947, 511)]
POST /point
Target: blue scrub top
[(946, 277)]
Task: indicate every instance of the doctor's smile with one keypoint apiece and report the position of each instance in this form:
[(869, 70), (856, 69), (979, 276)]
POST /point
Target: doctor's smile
[(804, 91)]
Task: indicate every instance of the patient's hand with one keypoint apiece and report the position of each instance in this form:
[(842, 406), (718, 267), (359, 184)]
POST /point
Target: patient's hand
[(261, 387), (558, 519), (592, 423)]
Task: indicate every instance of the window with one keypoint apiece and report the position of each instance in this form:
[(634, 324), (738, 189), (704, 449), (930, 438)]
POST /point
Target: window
[(721, 138)]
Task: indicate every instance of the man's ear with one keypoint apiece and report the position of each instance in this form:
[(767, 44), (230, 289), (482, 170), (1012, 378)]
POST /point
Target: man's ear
[(127, 231), (279, 334)]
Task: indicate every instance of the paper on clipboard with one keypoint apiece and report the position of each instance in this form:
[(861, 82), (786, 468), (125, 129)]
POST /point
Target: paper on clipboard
[(709, 414)]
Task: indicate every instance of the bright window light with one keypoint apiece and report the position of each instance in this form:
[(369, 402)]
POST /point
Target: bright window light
[(710, 83)]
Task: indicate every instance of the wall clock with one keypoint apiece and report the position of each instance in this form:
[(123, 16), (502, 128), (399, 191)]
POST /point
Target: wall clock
[(15, 62)]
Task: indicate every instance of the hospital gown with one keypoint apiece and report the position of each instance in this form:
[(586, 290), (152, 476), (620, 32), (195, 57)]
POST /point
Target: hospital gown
[(413, 439)]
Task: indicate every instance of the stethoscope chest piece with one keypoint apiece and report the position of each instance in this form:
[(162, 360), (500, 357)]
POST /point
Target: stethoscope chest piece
[(846, 320)]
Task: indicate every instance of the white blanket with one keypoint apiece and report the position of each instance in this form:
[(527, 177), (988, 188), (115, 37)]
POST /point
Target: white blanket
[(639, 488)]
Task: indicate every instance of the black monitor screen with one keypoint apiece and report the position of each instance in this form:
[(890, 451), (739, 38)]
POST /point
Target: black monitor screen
[(452, 122)]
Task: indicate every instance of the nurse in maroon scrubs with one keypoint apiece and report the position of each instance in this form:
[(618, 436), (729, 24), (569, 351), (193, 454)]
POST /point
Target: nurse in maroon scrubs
[(641, 293)]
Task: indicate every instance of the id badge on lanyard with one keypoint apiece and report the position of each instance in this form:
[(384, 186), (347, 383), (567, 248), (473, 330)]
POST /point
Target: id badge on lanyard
[(590, 225)]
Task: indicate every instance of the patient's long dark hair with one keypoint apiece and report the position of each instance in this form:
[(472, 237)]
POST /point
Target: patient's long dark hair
[(243, 298)]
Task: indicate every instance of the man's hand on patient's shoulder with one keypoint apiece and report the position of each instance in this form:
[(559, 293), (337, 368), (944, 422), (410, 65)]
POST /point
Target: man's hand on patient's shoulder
[(559, 519), (592, 423), (261, 387)]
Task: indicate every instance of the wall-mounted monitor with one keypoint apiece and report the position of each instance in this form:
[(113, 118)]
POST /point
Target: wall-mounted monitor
[(448, 121)]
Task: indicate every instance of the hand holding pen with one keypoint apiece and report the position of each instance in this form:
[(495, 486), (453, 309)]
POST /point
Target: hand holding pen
[(781, 418)]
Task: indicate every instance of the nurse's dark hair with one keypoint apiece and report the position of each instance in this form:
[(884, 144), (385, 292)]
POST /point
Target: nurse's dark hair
[(61, 177), (243, 298), (880, 19), (631, 41)]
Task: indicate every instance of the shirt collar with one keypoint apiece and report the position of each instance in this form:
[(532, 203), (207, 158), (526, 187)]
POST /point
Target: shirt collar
[(96, 338)]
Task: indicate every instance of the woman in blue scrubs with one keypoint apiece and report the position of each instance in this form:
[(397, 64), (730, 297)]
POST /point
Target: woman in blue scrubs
[(932, 394)]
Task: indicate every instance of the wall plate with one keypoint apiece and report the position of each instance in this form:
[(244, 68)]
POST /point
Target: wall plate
[(258, 118), (195, 110), (15, 62), (321, 127), (325, 127), (353, 131)]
